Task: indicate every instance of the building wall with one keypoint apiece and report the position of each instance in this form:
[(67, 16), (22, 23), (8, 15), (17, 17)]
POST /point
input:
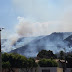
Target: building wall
[(24, 70), (6, 70), (39, 69), (52, 69), (59, 69), (68, 70)]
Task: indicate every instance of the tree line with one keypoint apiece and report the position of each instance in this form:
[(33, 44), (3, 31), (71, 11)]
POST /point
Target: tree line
[(10, 61), (61, 56), (46, 59)]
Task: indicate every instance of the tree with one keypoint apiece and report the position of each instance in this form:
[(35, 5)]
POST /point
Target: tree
[(61, 55), (47, 63), (35, 66), (11, 61), (5, 57), (46, 54), (6, 65), (30, 64), (69, 60), (15, 61)]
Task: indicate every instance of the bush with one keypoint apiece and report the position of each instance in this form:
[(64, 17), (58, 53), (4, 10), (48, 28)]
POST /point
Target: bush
[(16, 61), (47, 63), (6, 64), (11, 61), (69, 60)]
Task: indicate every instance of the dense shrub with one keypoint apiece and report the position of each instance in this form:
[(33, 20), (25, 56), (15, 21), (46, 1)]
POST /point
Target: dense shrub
[(47, 63), (69, 60), (11, 61), (6, 64)]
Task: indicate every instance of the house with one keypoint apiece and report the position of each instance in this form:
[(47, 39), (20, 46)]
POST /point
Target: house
[(51, 69), (60, 68), (44, 69)]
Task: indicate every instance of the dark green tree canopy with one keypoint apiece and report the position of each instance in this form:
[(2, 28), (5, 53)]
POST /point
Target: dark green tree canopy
[(46, 54), (62, 54), (69, 60), (47, 63), (17, 61), (6, 64)]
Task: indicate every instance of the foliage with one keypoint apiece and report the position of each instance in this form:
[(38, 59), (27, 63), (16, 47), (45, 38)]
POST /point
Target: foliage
[(32, 63), (61, 55), (6, 64), (17, 61), (69, 60), (47, 63), (46, 54), (5, 57)]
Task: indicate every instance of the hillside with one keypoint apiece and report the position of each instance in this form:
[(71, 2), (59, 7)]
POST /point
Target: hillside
[(54, 42)]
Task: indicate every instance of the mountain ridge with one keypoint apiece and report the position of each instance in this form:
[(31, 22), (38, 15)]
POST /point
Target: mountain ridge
[(52, 41)]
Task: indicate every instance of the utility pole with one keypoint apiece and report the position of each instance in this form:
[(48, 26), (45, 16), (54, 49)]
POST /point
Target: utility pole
[(0, 51)]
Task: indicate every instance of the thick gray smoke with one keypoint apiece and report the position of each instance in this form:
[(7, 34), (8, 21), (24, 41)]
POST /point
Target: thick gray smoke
[(25, 28)]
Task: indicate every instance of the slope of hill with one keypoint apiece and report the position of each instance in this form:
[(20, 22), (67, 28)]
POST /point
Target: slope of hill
[(69, 39), (54, 42)]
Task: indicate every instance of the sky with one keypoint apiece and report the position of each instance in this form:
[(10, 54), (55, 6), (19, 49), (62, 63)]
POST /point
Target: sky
[(35, 17)]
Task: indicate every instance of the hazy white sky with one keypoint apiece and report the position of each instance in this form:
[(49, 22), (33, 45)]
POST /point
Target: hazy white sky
[(35, 17)]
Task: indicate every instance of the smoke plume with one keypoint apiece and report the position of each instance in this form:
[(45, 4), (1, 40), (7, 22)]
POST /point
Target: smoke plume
[(26, 28)]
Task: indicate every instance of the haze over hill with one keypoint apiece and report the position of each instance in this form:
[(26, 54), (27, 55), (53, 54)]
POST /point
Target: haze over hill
[(30, 46)]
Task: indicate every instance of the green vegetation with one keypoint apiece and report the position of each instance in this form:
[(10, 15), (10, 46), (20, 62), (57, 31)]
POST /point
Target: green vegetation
[(61, 55), (6, 64), (46, 59), (69, 60), (46, 54), (11, 61), (47, 63)]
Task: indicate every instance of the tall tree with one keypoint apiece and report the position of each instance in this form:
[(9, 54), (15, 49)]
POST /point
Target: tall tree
[(62, 55)]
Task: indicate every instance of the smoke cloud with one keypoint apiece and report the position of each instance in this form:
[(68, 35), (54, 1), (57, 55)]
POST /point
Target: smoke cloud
[(54, 18), (26, 28), (13, 38)]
